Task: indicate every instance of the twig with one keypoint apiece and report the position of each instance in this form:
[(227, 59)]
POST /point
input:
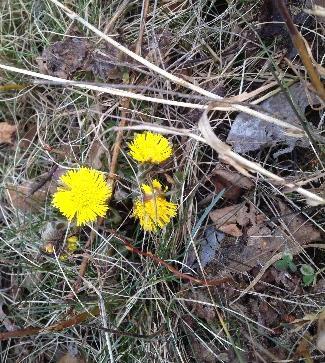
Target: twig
[(144, 13), (117, 144), (116, 16), (159, 261), (61, 325), (83, 266), (299, 43)]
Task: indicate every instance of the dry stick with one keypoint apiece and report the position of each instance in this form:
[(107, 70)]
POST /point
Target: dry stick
[(222, 105), (73, 16), (299, 43), (117, 14), (61, 325), (13, 87), (145, 7), (42, 182), (159, 261), (83, 267)]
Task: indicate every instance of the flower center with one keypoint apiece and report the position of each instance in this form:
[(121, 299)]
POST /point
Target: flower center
[(82, 197)]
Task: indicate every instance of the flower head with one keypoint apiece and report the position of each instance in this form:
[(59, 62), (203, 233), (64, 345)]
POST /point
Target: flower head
[(153, 210), (83, 195), (72, 244), (149, 147)]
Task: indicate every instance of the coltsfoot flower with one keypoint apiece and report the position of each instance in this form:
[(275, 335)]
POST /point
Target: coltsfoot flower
[(83, 195), (153, 210), (72, 244), (149, 147)]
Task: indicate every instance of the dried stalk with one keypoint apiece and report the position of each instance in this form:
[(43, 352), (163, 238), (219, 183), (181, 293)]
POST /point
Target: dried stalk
[(299, 42), (222, 105)]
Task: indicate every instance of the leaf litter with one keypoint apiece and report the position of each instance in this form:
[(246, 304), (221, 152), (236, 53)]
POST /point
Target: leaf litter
[(255, 239), (31, 195), (64, 58), (250, 133)]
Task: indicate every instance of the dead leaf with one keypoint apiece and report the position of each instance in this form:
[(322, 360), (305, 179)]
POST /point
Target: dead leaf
[(27, 136), (62, 59), (21, 196), (303, 231), (250, 133), (304, 348), (7, 132), (231, 219), (69, 358), (95, 154), (233, 182)]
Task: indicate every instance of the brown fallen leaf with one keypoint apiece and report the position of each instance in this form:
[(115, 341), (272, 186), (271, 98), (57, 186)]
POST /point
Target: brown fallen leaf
[(62, 59), (31, 195), (27, 136), (96, 152), (69, 358), (7, 132), (233, 182), (19, 197), (302, 231), (304, 348), (231, 219)]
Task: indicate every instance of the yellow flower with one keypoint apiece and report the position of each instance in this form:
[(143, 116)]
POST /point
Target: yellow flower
[(149, 147), (153, 210), (63, 257), (72, 244), (83, 195)]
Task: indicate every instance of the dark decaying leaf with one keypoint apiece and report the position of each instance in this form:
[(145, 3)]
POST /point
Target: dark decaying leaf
[(64, 58), (234, 183)]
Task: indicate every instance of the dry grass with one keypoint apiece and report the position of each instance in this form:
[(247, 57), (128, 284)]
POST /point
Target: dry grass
[(206, 45)]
